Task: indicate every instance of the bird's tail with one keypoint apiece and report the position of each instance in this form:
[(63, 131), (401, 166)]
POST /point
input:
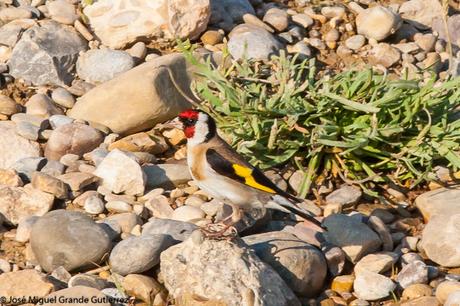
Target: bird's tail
[(282, 204)]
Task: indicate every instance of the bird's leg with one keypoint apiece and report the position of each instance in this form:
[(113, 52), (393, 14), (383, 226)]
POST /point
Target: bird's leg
[(211, 231)]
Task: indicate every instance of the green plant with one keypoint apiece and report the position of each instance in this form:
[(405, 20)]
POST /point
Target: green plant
[(357, 125)]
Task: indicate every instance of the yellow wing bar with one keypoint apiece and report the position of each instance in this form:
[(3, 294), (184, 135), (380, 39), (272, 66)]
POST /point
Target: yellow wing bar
[(249, 179)]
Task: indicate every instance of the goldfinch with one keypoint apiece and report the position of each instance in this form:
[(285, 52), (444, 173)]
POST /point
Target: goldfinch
[(225, 175)]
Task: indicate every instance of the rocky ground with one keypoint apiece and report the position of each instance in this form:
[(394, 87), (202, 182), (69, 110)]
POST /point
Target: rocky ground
[(97, 202)]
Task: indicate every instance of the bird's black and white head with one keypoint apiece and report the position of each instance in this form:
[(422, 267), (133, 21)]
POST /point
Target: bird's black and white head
[(198, 126)]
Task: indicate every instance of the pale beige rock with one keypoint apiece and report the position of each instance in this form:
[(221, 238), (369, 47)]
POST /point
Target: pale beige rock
[(152, 97), (118, 23), (195, 267), (141, 142), (49, 184), (416, 290), (8, 106), (445, 288), (142, 287), (10, 178), (78, 180), (14, 147), (17, 203), (439, 202), (378, 263), (377, 22), (24, 283), (120, 172)]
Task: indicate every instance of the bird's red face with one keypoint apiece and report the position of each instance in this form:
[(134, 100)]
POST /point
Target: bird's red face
[(189, 119)]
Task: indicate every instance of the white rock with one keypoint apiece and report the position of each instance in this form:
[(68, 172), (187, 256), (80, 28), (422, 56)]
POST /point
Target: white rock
[(121, 173), (62, 11), (118, 206), (17, 203), (101, 65), (377, 22), (187, 213), (442, 201), (422, 12), (120, 22), (378, 263), (24, 228), (14, 147), (94, 205), (371, 286)]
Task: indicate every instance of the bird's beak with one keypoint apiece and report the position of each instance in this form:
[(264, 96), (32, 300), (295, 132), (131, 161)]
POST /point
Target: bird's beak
[(175, 123)]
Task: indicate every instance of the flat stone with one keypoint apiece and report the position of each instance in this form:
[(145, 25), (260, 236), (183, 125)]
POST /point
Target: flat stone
[(78, 180), (26, 166), (121, 173), (24, 229), (178, 230), (49, 184), (118, 207), (345, 195), (125, 221), (277, 18), (187, 214), (248, 41), (122, 22), (168, 176), (152, 96), (46, 54), (27, 130), (194, 268), (355, 238), (14, 147), (422, 301), (11, 13), (100, 65), (343, 283), (138, 254), (17, 203), (141, 142), (72, 138), (441, 240), (70, 239), (62, 11), (302, 19), (371, 286), (302, 266), (41, 105), (24, 283), (421, 13), (441, 201), (378, 263), (385, 55)]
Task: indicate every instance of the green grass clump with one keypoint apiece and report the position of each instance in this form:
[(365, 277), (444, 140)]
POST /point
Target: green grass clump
[(356, 125)]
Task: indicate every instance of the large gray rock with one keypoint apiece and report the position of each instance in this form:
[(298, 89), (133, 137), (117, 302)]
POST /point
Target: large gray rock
[(178, 230), (138, 254), (120, 172), (355, 238), (46, 54), (453, 25), (301, 265), (72, 138), (152, 96), (69, 239), (440, 201), (120, 22), (222, 273), (14, 147), (441, 240), (101, 65), (18, 203), (252, 42)]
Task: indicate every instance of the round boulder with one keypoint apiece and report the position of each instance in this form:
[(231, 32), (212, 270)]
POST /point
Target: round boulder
[(69, 239)]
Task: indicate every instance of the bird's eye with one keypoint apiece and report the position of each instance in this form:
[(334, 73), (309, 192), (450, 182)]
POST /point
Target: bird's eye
[(190, 121)]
